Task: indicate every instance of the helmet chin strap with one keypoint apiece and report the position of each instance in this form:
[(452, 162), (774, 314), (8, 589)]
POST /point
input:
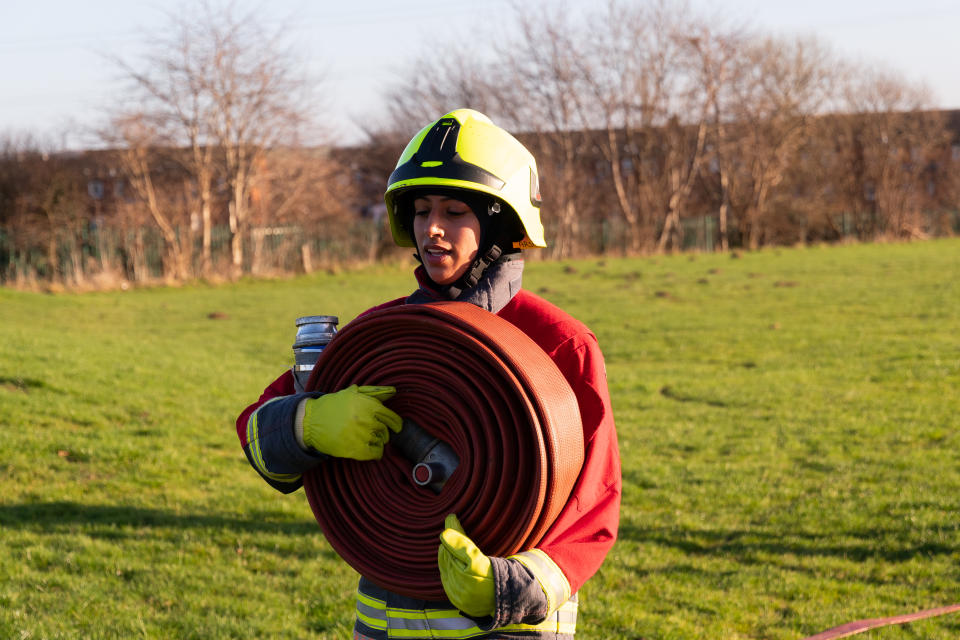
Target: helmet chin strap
[(472, 276), (492, 237)]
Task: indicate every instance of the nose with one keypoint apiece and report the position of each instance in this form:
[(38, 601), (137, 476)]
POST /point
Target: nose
[(434, 226)]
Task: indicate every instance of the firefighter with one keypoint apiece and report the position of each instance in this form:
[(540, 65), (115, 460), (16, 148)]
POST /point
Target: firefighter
[(465, 195)]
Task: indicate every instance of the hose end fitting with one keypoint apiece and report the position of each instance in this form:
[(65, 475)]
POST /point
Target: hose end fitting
[(434, 461)]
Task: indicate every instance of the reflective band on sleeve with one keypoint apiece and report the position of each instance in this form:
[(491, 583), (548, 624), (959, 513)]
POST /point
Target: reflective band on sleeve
[(253, 442), (554, 584)]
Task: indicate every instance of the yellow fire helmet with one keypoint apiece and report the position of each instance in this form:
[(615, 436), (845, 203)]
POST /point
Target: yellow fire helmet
[(465, 150)]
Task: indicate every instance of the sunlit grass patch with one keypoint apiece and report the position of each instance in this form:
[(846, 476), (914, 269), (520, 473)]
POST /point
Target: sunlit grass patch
[(787, 419)]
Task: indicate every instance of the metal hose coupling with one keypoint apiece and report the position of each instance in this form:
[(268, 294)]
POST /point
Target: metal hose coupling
[(434, 461), (314, 333)]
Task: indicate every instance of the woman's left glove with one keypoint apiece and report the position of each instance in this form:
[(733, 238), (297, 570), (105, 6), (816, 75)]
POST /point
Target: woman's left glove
[(466, 573)]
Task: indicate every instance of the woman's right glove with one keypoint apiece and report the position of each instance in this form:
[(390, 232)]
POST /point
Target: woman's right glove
[(465, 572), (350, 423)]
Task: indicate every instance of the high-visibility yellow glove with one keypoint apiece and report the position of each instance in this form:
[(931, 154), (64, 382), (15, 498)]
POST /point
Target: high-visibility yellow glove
[(350, 423), (466, 573)]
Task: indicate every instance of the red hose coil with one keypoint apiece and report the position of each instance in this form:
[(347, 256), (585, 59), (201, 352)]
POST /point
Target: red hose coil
[(475, 381)]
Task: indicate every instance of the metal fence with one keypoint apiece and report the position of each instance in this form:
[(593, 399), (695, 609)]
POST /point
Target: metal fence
[(78, 256)]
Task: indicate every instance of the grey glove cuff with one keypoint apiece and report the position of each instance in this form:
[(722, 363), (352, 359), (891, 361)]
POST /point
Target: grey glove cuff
[(298, 424), (276, 443), (519, 598), (287, 415)]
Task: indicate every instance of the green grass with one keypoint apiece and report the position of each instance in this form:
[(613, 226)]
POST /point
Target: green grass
[(788, 425)]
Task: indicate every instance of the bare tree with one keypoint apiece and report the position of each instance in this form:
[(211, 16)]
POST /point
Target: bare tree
[(647, 88), (179, 111), (541, 95), (780, 87), (434, 85), (140, 153), (629, 76), (43, 213), (891, 140), (309, 189), (713, 58), (225, 87)]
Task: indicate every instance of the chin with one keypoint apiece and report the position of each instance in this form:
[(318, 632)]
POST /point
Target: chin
[(443, 278), (443, 281)]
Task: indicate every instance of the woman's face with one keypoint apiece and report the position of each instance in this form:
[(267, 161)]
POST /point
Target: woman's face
[(448, 236)]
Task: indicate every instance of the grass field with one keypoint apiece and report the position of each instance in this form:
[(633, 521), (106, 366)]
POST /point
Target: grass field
[(788, 424)]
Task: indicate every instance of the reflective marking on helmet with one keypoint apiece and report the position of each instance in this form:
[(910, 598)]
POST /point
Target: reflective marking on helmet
[(437, 157), (441, 141), (456, 169), (535, 198), (440, 135)]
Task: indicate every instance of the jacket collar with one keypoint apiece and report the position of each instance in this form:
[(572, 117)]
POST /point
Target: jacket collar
[(501, 281)]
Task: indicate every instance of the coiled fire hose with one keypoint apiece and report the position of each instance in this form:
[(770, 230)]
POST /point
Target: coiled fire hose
[(477, 383)]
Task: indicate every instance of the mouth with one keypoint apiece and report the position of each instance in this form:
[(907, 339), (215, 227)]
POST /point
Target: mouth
[(436, 251)]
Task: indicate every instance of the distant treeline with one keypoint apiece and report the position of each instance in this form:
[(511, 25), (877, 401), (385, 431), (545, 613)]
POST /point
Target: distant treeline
[(655, 129)]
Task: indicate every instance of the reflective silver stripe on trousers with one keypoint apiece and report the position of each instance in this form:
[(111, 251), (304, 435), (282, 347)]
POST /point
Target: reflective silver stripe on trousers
[(414, 624), (562, 621)]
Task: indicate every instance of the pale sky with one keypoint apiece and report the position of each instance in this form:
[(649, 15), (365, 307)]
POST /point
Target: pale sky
[(55, 82)]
